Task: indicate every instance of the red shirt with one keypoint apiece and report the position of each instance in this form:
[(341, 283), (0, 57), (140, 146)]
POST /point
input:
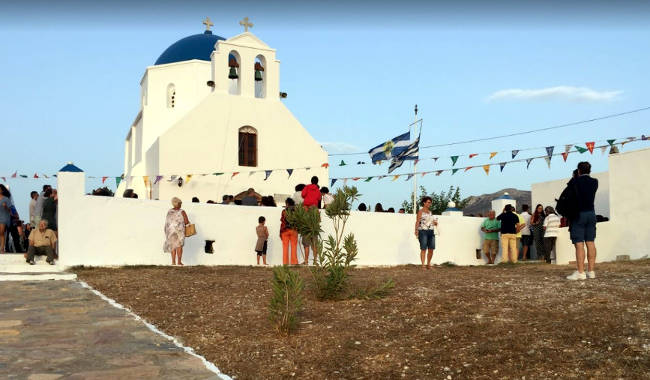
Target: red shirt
[(311, 195)]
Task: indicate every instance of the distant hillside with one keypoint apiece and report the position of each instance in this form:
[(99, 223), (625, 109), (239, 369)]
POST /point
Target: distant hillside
[(483, 203)]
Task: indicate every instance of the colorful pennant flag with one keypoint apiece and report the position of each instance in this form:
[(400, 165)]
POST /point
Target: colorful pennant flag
[(472, 155), (439, 172), (493, 154), (381, 177), (233, 175), (146, 180), (487, 169), (425, 173), (603, 149), (250, 174), (356, 178), (453, 171), (117, 181), (342, 163), (267, 173), (590, 145), (549, 151), (158, 178), (45, 175), (409, 177), (360, 163), (514, 152), (548, 161), (35, 175), (395, 177), (565, 155), (290, 171), (528, 161), (368, 179), (15, 174), (502, 165), (217, 174), (467, 168), (567, 148), (172, 178), (611, 142), (332, 182), (23, 176), (325, 165), (581, 149), (435, 159), (644, 137), (453, 160)]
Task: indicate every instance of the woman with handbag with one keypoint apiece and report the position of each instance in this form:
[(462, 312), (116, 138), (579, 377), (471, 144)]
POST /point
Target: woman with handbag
[(175, 231)]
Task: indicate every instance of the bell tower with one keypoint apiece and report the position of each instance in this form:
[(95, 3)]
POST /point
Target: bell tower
[(245, 66)]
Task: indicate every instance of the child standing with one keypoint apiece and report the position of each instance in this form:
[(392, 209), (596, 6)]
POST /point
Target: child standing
[(262, 237)]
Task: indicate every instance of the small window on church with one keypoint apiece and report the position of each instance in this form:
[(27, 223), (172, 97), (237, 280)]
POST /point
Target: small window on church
[(233, 73), (247, 146), (260, 77), (171, 96)]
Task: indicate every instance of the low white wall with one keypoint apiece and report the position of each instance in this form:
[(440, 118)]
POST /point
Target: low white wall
[(100, 231)]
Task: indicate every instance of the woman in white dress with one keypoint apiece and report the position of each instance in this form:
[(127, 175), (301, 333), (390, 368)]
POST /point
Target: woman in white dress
[(175, 231)]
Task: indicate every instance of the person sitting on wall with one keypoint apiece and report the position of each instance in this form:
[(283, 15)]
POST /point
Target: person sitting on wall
[(175, 223), (42, 241), (251, 198), (491, 228), (379, 208)]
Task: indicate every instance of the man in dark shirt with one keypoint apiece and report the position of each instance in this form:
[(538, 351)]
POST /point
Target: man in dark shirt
[(583, 227), (509, 228)]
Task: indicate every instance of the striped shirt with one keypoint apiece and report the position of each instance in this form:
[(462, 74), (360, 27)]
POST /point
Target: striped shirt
[(551, 225)]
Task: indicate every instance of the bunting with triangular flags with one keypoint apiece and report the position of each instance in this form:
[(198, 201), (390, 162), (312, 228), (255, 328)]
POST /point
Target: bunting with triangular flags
[(453, 171), (217, 174), (565, 155), (453, 160), (117, 181), (435, 159), (603, 149), (290, 171), (439, 172), (409, 177), (172, 178), (487, 169), (233, 175), (188, 178), (145, 179), (425, 173), (325, 165), (567, 148), (35, 175), (395, 177), (104, 179), (549, 151), (368, 179), (611, 142), (45, 175), (514, 153), (15, 174), (492, 154), (581, 149), (548, 161), (158, 178), (502, 165), (590, 145), (467, 168), (528, 161), (267, 173), (360, 163), (356, 178), (332, 182), (342, 163), (472, 155), (23, 176), (644, 137)]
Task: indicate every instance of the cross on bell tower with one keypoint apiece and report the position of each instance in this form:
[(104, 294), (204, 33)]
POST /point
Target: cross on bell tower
[(246, 24), (207, 24)]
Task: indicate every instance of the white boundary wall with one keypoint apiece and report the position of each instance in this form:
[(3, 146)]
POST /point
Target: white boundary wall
[(105, 231), (628, 231)]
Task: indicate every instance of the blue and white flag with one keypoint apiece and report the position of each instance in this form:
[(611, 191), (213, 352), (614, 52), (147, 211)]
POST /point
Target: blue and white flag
[(391, 148), (411, 152)]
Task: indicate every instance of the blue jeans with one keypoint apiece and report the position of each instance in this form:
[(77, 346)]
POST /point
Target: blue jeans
[(583, 228), (427, 239)]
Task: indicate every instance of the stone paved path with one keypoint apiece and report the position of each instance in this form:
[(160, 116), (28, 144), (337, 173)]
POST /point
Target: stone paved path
[(60, 330)]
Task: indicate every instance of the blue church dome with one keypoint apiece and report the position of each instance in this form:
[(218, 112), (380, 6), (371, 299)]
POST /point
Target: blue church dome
[(197, 46)]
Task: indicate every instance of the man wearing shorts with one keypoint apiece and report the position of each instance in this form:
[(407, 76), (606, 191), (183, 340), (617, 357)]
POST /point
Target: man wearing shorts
[(583, 227)]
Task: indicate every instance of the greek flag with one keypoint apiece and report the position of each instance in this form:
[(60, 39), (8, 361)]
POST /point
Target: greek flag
[(411, 152), (390, 148)]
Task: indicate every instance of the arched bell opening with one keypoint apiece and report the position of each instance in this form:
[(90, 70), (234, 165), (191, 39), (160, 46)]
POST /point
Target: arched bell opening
[(260, 77), (234, 73)]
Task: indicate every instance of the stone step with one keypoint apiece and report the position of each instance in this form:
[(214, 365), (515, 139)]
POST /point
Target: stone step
[(23, 267), (37, 276), (18, 258)]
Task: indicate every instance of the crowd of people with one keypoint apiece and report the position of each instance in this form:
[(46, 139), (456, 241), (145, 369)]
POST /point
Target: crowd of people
[(541, 228), (36, 237)]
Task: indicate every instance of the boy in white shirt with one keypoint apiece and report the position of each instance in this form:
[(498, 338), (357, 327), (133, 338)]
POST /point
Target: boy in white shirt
[(551, 230)]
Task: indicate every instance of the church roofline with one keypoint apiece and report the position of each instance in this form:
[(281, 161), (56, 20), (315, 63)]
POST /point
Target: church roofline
[(261, 45)]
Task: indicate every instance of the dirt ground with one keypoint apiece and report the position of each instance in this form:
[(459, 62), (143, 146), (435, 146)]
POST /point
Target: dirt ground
[(502, 322)]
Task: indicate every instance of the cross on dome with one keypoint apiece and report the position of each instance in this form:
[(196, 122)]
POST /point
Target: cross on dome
[(207, 23), (246, 24)]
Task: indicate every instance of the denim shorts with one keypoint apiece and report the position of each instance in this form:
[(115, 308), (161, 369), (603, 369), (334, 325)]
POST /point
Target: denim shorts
[(584, 227), (427, 239)]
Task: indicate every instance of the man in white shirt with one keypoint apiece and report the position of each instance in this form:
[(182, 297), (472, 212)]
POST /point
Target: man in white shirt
[(32, 208), (551, 230), (526, 236)]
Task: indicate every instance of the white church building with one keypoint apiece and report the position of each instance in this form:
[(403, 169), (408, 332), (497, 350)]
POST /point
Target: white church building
[(212, 122)]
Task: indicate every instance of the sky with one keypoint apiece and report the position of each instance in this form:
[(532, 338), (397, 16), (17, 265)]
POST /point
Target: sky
[(353, 73)]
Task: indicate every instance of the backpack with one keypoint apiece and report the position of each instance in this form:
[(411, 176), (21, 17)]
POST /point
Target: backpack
[(567, 204)]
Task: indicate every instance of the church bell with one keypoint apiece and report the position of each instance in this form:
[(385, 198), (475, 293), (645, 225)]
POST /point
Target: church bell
[(258, 72), (233, 73)]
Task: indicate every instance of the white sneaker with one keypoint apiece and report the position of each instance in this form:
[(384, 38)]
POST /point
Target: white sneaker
[(577, 276), (591, 274)]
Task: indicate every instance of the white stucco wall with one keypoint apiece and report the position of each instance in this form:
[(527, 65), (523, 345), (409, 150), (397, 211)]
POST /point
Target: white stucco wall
[(545, 193), (103, 231)]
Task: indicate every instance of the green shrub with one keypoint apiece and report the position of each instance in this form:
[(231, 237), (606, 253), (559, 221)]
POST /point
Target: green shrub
[(374, 292), (286, 301)]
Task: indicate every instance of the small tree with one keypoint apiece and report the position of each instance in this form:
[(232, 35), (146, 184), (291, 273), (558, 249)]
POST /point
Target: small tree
[(286, 301), (440, 200)]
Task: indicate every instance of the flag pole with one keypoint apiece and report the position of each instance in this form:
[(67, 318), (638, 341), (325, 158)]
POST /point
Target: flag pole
[(415, 166)]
